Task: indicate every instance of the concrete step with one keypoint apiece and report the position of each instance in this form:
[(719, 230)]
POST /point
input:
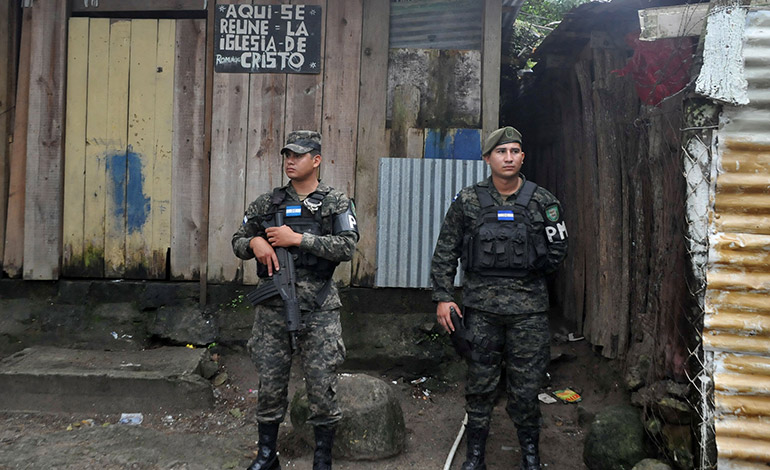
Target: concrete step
[(72, 380)]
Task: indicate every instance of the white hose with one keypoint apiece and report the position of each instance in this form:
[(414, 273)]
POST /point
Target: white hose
[(451, 455)]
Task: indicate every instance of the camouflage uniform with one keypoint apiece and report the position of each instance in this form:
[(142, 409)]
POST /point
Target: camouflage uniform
[(509, 310), (319, 342)]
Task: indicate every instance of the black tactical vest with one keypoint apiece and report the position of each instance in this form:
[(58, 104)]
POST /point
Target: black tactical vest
[(302, 220), (505, 241)]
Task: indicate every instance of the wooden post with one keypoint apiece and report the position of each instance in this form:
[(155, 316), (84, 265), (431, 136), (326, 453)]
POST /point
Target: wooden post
[(206, 164), (372, 140), (43, 206), (490, 67), (7, 93), (14, 234)]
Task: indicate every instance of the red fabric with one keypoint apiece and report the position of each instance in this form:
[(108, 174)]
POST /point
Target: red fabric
[(659, 68)]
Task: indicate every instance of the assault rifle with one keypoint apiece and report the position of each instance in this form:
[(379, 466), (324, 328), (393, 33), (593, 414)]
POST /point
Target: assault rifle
[(284, 284)]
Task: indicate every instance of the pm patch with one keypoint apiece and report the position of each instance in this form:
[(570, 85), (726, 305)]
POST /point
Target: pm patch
[(293, 211), (552, 213)]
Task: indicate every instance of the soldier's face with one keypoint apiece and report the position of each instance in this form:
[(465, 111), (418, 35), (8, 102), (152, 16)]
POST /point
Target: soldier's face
[(300, 166), (505, 160)]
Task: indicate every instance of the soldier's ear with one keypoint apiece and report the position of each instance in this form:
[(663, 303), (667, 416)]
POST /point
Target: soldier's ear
[(316, 160)]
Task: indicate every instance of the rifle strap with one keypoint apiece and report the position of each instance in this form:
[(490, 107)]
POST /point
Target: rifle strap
[(323, 293)]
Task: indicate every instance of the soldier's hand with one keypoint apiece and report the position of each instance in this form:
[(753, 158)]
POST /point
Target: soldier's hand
[(283, 236), (264, 253), (443, 315)]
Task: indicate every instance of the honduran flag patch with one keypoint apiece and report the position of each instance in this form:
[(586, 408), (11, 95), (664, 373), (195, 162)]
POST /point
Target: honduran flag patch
[(293, 211), (504, 215)]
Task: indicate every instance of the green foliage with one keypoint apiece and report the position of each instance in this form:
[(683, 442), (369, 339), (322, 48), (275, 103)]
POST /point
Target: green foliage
[(545, 12)]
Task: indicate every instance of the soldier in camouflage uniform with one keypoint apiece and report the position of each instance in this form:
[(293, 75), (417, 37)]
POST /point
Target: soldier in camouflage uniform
[(506, 252), (325, 236)]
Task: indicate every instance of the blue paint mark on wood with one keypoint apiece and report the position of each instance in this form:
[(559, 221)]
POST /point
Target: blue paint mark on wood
[(116, 174), (457, 144), (137, 203)]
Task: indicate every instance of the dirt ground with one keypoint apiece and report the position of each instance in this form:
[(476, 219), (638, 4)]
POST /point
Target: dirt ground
[(224, 438)]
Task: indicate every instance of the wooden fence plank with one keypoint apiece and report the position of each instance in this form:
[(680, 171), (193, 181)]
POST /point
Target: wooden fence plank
[(141, 147), (13, 254), (304, 92), (161, 173), (42, 216), (92, 263), (75, 147), (227, 187), (188, 164), (117, 142), (372, 141), (7, 89), (340, 103), (490, 67)]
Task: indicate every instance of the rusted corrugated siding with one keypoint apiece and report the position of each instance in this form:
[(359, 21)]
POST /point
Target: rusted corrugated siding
[(436, 24), (737, 322), (414, 196)]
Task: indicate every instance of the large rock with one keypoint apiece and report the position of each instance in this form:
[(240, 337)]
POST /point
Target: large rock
[(651, 464), (372, 425), (615, 440)]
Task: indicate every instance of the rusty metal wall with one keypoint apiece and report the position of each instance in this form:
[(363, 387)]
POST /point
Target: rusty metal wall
[(436, 24), (414, 195), (737, 320)]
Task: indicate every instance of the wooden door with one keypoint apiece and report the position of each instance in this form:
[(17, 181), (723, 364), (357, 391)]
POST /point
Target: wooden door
[(128, 82)]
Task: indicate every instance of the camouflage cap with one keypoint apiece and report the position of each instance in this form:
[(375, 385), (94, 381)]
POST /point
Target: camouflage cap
[(504, 135), (301, 142)]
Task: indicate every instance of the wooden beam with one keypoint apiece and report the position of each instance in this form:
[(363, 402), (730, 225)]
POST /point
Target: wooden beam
[(372, 135), (13, 255), (490, 66), (206, 169), (7, 89), (103, 6), (43, 206)]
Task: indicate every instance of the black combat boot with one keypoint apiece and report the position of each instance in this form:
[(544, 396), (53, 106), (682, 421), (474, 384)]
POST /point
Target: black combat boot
[(324, 438), (477, 445), (529, 438), (267, 458)]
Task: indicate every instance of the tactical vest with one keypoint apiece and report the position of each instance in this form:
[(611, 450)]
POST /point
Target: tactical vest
[(302, 220), (504, 241)]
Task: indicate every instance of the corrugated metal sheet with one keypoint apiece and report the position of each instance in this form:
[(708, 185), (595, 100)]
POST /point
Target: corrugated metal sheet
[(414, 196), (436, 24), (737, 322)]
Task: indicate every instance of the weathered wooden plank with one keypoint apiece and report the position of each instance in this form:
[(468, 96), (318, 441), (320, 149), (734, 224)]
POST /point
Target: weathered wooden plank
[(117, 144), (141, 147), (103, 6), (75, 147), (189, 165), (161, 173), (490, 66), (92, 262), (610, 262), (589, 202), (304, 92), (372, 137), (207, 127), (13, 255), (340, 103), (42, 219), (406, 108), (227, 188), (7, 89)]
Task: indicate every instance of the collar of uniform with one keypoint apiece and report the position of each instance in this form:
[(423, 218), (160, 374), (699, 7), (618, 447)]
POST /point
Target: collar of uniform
[(496, 194), (292, 193)]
